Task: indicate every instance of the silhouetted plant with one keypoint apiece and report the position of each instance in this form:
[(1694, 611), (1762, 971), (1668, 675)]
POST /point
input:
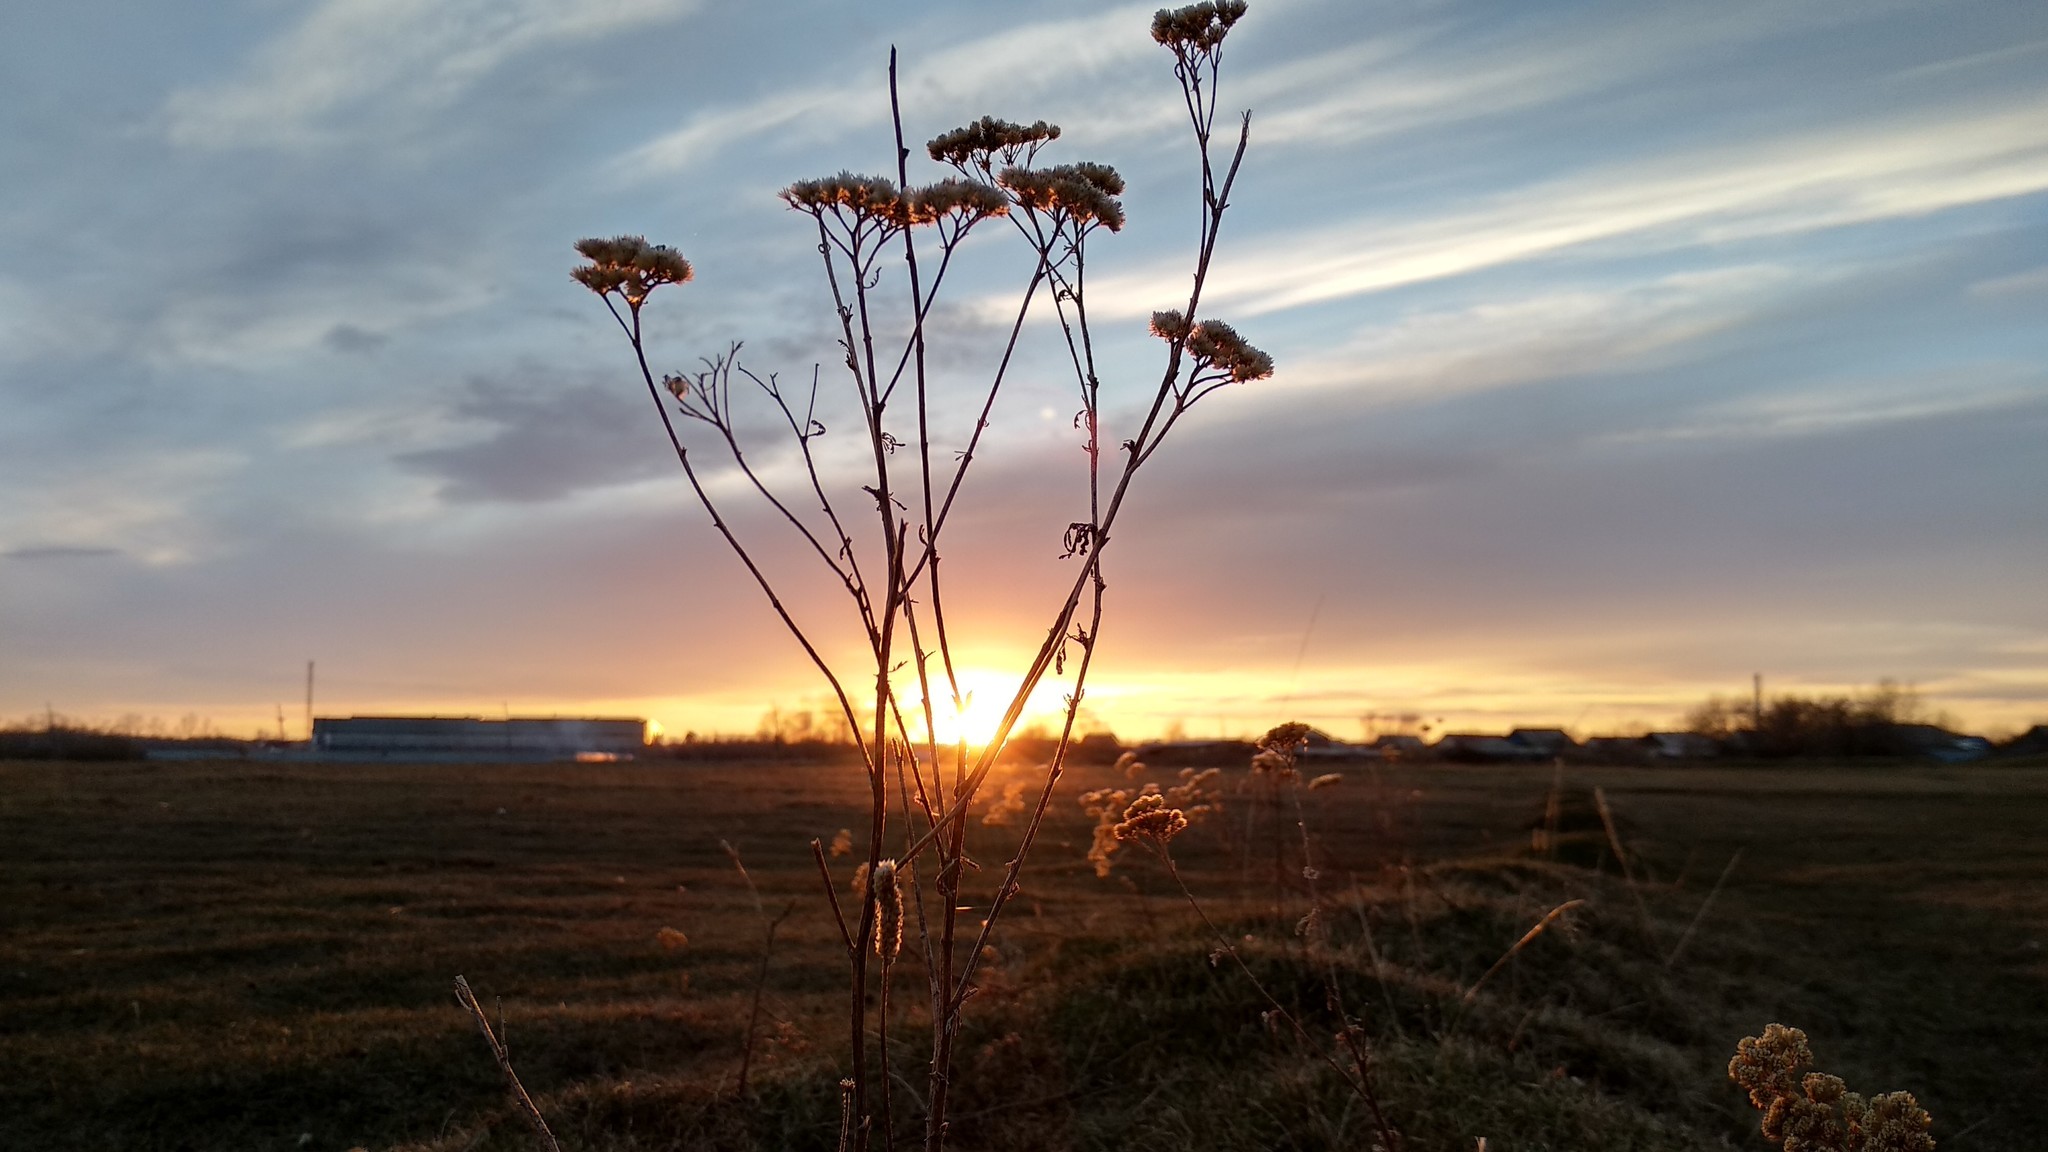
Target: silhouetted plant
[(891, 572)]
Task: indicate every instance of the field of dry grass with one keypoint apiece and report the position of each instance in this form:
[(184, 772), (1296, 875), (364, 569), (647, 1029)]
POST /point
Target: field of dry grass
[(260, 956)]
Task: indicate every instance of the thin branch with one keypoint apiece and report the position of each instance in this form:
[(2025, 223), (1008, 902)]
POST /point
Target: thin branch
[(467, 999)]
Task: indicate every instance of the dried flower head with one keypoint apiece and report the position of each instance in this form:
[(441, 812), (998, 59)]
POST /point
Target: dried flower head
[(988, 140), (1005, 810), (671, 940), (1288, 737), (629, 266), (888, 912), (1083, 193), (842, 843), (1215, 344), (1150, 818), (867, 197), (1815, 1112), (1197, 28), (968, 201), (1106, 805), (1169, 325), (859, 883)]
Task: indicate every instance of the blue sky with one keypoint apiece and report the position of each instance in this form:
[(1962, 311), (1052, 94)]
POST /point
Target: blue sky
[(1624, 350)]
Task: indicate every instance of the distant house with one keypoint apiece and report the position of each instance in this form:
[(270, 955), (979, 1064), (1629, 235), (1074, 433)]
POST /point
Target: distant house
[(1548, 742), (1320, 745), (1934, 743), (1617, 749), (1397, 746), (1475, 748), (469, 739), (1682, 746)]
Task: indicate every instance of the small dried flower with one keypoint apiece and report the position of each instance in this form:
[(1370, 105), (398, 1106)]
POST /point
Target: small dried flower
[(842, 843), (1326, 780), (1216, 344), (1197, 28), (1004, 811), (966, 200), (629, 266), (1083, 193), (1287, 737), (888, 912), (1150, 818), (867, 197), (859, 883), (1816, 1112), (671, 940), (988, 139), (1169, 325), (1106, 805)]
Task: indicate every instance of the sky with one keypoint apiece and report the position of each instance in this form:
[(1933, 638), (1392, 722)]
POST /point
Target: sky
[(1625, 350)]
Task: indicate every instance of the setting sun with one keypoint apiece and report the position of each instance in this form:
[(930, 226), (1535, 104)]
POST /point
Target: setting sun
[(985, 695)]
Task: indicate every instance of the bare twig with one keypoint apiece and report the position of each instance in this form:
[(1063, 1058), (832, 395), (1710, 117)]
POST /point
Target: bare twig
[(517, 1090)]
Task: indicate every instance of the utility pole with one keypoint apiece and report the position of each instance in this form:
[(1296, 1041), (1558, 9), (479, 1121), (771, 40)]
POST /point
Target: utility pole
[(1756, 704), (309, 702)]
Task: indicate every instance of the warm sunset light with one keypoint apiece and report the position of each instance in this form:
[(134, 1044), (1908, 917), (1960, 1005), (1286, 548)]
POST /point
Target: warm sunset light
[(1513, 533), (986, 695)]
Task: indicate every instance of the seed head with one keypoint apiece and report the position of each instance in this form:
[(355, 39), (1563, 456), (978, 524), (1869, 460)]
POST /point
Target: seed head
[(1815, 1112), (867, 197), (1084, 193), (1214, 343), (629, 266), (1149, 818), (1170, 325), (965, 200), (1197, 28), (1288, 737), (980, 144), (888, 912)]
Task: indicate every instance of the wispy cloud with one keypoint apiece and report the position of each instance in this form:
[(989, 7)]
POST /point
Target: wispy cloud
[(1784, 187), (315, 83), (1000, 71), (1524, 336)]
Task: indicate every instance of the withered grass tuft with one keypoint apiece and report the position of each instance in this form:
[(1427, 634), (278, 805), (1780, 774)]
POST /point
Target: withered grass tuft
[(236, 956)]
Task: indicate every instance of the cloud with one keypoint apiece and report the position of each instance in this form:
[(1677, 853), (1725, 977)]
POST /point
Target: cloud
[(2031, 283), (144, 504), (350, 61), (59, 552), (547, 443), (1791, 185), (1005, 68)]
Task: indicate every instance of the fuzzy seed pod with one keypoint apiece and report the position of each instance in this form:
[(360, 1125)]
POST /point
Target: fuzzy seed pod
[(888, 912)]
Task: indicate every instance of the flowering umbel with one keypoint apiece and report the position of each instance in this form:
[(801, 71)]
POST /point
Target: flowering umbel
[(630, 267), (989, 141), (1084, 193), (1197, 28)]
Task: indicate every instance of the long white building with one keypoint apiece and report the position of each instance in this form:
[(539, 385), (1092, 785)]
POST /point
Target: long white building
[(477, 740)]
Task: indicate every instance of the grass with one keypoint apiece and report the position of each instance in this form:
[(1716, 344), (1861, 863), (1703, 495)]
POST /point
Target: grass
[(241, 956)]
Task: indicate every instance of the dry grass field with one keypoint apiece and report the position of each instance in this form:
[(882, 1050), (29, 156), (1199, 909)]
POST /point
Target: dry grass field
[(246, 956)]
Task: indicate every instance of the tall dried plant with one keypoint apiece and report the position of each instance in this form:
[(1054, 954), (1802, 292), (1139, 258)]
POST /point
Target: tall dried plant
[(890, 572)]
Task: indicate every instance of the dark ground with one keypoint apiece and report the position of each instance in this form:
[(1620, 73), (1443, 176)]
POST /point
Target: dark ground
[(243, 956)]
